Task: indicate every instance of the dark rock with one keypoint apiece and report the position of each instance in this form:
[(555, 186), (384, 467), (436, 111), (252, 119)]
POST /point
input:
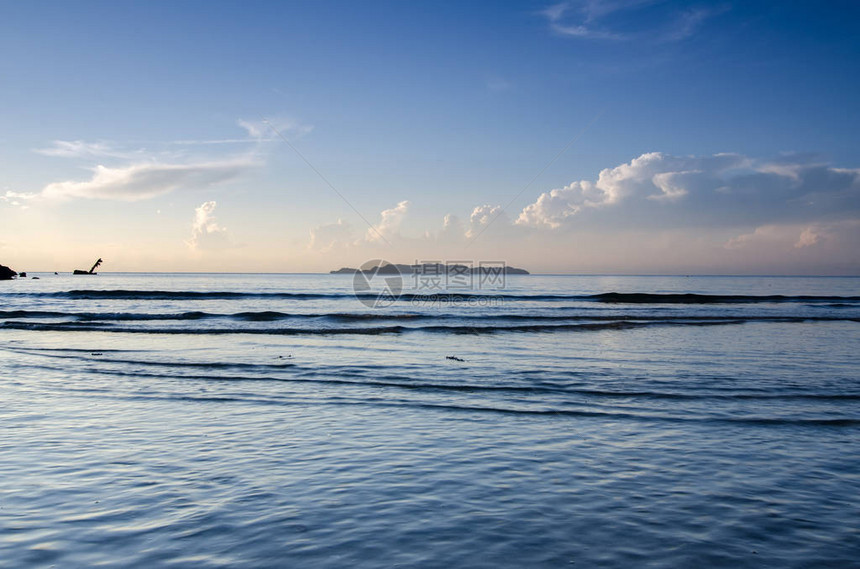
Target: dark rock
[(6, 273)]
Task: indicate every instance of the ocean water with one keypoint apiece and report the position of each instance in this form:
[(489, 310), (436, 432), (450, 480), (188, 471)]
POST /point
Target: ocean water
[(152, 420)]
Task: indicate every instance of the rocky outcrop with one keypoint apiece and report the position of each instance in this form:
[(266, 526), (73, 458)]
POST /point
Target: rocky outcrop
[(6, 273)]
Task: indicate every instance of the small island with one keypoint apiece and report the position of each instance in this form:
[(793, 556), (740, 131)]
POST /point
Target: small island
[(433, 269)]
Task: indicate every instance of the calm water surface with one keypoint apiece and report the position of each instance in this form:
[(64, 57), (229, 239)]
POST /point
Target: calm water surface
[(277, 421)]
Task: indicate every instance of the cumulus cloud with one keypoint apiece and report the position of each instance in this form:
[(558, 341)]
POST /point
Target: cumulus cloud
[(809, 236), (389, 223), (658, 212), (452, 228), (722, 189), (483, 216), (146, 180), (206, 232)]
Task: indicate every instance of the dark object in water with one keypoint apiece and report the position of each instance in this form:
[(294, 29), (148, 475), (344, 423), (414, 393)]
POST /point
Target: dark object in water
[(22, 275), (91, 271), (35, 278), (6, 273), (455, 358)]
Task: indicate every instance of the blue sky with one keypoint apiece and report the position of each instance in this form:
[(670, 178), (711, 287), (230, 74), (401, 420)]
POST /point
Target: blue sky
[(703, 137)]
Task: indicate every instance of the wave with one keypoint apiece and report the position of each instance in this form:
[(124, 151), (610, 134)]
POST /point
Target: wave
[(372, 376), (520, 409), (393, 329), (608, 297), (691, 298), (347, 317)]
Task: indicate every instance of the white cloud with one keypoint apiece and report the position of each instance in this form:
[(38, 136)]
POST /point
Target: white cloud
[(206, 233), (764, 235), (672, 184), (809, 236), (389, 224), (147, 180), (341, 235), (138, 174), (18, 199), (815, 237), (722, 189), (484, 216), (452, 228), (657, 213)]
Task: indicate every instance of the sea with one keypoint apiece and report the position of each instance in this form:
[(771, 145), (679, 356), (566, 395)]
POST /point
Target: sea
[(358, 421)]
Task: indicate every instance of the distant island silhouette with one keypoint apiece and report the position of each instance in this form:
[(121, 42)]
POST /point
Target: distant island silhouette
[(431, 269)]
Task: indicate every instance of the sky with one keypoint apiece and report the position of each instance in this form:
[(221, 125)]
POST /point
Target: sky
[(637, 137)]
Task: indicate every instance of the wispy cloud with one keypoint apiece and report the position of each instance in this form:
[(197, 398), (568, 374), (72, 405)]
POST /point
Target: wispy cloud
[(687, 23), (256, 132), (265, 130), (205, 142), (652, 20), (130, 174), (579, 27), (802, 236), (84, 149), (147, 180)]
